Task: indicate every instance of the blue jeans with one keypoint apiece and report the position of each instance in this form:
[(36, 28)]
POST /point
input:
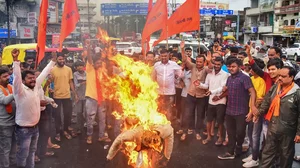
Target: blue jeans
[(254, 133), (80, 113), (7, 146), (92, 108), (27, 139)]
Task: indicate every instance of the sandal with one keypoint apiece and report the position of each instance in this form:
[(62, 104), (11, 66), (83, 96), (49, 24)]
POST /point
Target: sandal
[(89, 140), (37, 159), (297, 158), (198, 137), (179, 132), (225, 143), (104, 139), (57, 138), (73, 134), (205, 141), (183, 137), (218, 143), (53, 146), (50, 153), (67, 135), (190, 131)]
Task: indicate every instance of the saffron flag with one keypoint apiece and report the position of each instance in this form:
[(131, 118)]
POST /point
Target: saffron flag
[(147, 48), (185, 18), (69, 20), (156, 19), (42, 26)]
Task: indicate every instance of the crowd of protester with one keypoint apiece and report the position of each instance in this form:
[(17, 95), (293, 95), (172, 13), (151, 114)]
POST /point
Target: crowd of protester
[(247, 93), (250, 93)]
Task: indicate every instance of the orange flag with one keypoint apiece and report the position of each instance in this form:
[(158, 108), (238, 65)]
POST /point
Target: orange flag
[(156, 19), (185, 18), (147, 48), (69, 20), (41, 40)]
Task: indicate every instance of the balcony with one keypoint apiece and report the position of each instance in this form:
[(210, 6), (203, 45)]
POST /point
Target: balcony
[(265, 29), (253, 11), (85, 12), (290, 9), (91, 5)]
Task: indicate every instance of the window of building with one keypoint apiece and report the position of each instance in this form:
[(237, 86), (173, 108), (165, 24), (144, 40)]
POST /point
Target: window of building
[(21, 20), (293, 22), (286, 22), (285, 3), (296, 14), (297, 1)]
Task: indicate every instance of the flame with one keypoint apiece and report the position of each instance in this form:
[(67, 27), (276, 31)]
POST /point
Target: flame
[(136, 93)]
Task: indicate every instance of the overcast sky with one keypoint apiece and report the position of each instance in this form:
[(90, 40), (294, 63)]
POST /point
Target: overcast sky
[(233, 4)]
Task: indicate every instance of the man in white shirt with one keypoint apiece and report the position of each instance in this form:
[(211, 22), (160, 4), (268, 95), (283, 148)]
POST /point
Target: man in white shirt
[(164, 73), (28, 111), (215, 82)]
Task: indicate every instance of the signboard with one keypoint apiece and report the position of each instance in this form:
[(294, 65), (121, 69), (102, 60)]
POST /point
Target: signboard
[(52, 11), (31, 18), (26, 32), (214, 5), (113, 9), (254, 29), (227, 22), (55, 40), (4, 32), (233, 24), (297, 24), (117, 9), (215, 12)]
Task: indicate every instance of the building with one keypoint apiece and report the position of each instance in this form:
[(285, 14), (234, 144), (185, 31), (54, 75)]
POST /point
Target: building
[(87, 11), (287, 13), (259, 21)]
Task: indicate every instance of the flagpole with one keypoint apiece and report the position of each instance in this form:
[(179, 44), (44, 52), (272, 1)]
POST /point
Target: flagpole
[(167, 38), (199, 28)]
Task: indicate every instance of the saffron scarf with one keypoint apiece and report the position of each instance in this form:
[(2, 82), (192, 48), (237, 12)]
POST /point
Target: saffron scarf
[(8, 107), (98, 87), (275, 105)]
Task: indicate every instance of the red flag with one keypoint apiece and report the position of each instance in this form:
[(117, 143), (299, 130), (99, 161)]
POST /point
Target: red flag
[(41, 40), (185, 18), (148, 39), (156, 19), (69, 20)]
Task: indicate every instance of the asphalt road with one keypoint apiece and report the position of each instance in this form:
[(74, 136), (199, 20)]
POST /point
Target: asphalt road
[(191, 153)]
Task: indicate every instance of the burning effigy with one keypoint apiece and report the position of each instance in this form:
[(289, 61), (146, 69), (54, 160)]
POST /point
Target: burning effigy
[(146, 130)]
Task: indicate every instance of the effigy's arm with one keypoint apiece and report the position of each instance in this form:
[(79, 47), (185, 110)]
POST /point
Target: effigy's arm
[(127, 136)]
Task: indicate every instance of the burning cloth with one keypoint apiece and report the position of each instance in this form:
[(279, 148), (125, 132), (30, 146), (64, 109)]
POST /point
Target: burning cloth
[(157, 138)]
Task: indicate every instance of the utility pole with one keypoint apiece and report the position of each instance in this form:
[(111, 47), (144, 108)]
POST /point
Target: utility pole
[(8, 23), (237, 27), (89, 23), (137, 24)]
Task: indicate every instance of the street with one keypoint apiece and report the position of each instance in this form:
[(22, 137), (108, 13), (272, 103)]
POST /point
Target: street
[(191, 153)]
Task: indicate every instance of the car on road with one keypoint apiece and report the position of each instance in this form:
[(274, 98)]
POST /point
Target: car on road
[(194, 45), (294, 51), (129, 48)]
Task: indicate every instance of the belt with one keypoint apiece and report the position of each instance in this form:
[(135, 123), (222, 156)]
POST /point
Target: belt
[(18, 126)]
